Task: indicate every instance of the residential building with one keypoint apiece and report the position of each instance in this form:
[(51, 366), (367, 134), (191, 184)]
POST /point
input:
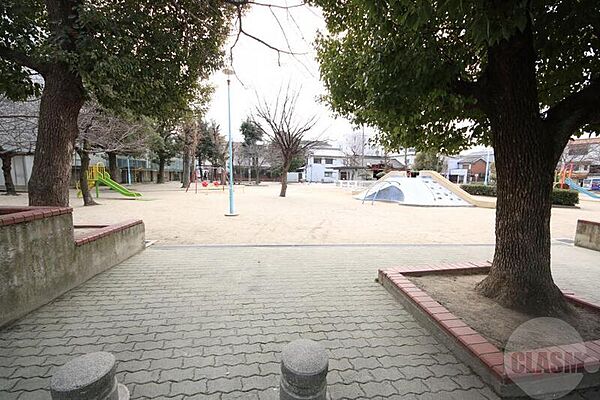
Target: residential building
[(583, 156), (474, 165), (321, 164)]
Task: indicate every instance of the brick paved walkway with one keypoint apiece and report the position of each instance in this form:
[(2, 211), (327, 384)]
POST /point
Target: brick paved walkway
[(209, 323)]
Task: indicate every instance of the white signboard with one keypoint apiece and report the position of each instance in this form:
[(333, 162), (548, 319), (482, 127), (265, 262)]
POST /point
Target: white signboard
[(459, 171)]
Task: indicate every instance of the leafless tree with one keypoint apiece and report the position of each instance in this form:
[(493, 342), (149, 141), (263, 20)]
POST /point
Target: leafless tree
[(102, 132), (285, 129), (354, 148), (18, 131)]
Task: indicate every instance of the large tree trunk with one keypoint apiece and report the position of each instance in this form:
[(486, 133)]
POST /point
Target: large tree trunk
[(113, 167), (284, 179), (160, 177), (185, 178), (6, 172), (520, 277), (61, 101), (83, 181)]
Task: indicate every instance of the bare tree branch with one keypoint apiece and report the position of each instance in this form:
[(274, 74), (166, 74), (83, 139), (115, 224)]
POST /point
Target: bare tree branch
[(104, 132), (18, 126), (281, 125), (239, 3), (241, 31)]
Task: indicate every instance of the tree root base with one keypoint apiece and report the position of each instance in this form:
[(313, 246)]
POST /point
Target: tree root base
[(543, 300)]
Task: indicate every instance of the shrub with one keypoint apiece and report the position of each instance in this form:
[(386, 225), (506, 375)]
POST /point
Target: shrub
[(479, 190), (560, 197), (565, 197)]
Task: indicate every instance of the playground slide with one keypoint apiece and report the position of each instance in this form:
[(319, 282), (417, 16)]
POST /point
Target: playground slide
[(457, 190), (573, 185), (105, 180)]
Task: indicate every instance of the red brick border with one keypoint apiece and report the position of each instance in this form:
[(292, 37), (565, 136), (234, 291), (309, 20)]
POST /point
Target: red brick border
[(466, 337), (104, 230), (18, 215)]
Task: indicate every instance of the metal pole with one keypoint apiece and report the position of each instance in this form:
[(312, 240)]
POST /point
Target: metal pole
[(231, 208), (128, 172), (487, 167)]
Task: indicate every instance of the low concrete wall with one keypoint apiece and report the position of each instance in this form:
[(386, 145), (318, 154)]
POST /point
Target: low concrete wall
[(588, 234), (40, 259)]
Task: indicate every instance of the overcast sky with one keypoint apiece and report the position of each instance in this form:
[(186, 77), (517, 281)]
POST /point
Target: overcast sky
[(260, 72)]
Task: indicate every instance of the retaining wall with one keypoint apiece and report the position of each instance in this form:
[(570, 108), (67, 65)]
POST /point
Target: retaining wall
[(40, 259), (588, 234)]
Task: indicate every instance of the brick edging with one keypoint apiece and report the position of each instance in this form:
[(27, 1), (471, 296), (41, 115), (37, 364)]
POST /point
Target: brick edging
[(18, 215), (105, 230), (468, 339)]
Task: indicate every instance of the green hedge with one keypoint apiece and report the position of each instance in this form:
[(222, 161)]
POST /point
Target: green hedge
[(479, 190), (561, 197), (564, 197)]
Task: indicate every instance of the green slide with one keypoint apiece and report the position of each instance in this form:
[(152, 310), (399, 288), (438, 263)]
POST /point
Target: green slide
[(105, 180)]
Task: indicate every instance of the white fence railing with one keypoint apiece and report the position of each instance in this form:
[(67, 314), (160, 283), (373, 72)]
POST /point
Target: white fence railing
[(353, 185)]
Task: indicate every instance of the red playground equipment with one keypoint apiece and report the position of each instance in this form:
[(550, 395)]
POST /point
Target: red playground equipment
[(206, 185)]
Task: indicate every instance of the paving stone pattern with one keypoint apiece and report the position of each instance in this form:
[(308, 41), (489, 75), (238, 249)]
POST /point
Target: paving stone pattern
[(210, 323)]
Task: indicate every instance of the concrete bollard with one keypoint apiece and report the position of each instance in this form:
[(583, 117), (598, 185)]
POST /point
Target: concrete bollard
[(304, 365), (88, 377)]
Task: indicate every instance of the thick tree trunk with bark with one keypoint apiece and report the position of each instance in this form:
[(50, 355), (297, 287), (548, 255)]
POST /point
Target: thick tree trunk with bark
[(113, 167), (520, 277), (6, 172), (284, 179), (61, 101), (185, 178), (160, 177), (83, 181)]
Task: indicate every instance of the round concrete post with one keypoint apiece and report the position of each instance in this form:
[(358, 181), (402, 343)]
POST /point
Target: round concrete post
[(88, 377), (304, 365)]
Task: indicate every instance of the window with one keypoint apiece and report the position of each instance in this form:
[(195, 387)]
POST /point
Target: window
[(317, 160), (582, 167), (329, 161), (578, 150), (328, 174)]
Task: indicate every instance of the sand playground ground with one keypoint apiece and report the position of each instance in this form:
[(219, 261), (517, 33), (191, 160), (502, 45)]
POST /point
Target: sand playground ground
[(310, 214)]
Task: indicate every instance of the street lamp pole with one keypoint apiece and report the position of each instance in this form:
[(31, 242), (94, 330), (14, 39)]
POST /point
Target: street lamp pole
[(487, 168), (231, 212)]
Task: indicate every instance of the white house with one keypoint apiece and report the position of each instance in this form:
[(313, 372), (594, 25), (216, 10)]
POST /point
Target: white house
[(321, 161)]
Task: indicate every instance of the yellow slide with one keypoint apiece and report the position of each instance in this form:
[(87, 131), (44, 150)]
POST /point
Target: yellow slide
[(457, 190)]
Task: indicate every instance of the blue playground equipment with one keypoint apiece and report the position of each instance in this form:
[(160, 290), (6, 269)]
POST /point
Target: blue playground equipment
[(573, 185)]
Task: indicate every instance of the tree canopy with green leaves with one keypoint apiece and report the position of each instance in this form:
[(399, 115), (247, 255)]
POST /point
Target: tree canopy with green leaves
[(146, 57), (428, 160), (521, 75), (251, 148), (418, 69)]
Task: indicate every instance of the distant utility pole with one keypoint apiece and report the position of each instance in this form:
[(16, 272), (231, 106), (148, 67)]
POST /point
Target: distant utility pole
[(487, 167)]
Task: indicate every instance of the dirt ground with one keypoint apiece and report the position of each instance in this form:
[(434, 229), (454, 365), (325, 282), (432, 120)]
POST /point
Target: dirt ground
[(311, 214), (457, 293)]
